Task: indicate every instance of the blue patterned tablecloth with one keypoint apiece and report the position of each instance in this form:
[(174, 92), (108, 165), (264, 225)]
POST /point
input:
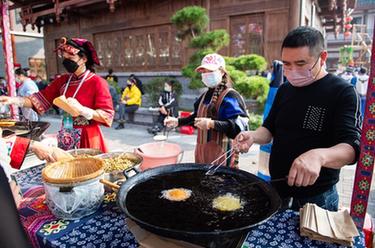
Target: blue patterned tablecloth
[(107, 226), (282, 231)]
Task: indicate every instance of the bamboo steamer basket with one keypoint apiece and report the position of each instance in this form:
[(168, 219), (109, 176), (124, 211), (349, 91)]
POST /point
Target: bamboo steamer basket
[(73, 171), (72, 187)]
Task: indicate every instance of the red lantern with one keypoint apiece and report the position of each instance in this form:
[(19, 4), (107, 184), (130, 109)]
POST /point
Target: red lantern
[(347, 33), (348, 26), (348, 19)]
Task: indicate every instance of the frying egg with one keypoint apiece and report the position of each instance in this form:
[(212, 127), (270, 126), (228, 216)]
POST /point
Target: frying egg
[(176, 194), (227, 202)]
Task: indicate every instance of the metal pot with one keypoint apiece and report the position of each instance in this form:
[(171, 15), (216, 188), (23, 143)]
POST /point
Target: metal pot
[(117, 175), (84, 151)]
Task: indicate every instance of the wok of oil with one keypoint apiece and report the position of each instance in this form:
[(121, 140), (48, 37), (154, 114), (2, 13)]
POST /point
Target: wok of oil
[(196, 214)]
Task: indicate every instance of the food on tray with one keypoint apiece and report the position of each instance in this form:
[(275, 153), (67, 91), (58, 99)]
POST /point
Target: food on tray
[(118, 163), (227, 202), (62, 103), (7, 123), (176, 194)]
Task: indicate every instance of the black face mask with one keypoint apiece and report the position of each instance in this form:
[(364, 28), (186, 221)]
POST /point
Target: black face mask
[(70, 65)]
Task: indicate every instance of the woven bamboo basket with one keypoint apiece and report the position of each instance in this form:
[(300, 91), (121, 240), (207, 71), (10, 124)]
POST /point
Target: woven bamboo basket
[(73, 170)]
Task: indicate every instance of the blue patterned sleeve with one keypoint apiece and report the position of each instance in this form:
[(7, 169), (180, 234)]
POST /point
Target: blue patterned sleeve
[(231, 109)]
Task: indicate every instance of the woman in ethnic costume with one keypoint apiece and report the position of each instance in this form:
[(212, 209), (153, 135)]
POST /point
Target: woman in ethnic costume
[(85, 91), (219, 114)]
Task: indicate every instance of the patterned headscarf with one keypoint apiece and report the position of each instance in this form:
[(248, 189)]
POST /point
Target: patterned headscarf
[(75, 45)]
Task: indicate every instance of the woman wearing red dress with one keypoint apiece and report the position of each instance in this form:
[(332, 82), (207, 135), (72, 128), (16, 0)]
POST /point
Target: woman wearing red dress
[(86, 91)]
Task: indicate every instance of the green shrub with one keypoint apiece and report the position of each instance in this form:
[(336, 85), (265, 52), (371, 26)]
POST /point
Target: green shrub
[(190, 21), (235, 75), (254, 87), (255, 121), (250, 62), (156, 85), (229, 60), (214, 40)]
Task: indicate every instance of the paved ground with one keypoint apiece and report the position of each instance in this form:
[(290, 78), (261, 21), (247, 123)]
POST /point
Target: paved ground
[(134, 135)]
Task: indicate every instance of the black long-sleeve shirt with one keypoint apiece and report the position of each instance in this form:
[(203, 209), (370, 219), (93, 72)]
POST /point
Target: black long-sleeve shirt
[(320, 115)]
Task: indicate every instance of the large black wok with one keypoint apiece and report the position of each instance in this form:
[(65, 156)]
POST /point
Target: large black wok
[(194, 220)]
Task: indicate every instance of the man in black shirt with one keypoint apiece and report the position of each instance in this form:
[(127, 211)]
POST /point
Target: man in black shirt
[(314, 123)]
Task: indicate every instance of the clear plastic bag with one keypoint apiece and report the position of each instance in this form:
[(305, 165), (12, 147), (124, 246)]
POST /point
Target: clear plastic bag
[(74, 201)]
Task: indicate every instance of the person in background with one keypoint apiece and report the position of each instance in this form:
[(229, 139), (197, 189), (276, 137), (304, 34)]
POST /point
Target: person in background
[(314, 123), (4, 110), (138, 83), (110, 77), (167, 106), (114, 89), (219, 114), (349, 76), (361, 86), (114, 95), (26, 87), (3, 87), (40, 82), (131, 100), (277, 79)]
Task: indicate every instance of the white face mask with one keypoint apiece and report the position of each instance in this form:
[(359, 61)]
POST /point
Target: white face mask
[(212, 79), (167, 88)]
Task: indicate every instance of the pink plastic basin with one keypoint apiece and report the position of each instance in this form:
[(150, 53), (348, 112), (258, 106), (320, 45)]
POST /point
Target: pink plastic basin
[(158, 154)]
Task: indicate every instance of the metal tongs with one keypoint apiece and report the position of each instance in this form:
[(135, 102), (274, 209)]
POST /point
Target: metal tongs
[(212, 169)]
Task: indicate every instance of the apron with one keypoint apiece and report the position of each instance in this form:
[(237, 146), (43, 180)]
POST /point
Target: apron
[(212, 144), (69, 138)]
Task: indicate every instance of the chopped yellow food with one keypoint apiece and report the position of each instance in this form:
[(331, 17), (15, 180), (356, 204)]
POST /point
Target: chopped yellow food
[(176, 194), (118, 163), (227, 202)]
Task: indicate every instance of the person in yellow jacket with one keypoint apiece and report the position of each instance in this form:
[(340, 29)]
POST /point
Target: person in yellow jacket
[(130, 101)]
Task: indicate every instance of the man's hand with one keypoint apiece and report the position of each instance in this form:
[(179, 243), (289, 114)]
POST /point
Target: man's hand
[(305, 169), (204, 123), (243, 141)]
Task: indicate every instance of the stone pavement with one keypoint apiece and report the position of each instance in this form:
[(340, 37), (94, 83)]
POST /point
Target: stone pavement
[(134, 135)]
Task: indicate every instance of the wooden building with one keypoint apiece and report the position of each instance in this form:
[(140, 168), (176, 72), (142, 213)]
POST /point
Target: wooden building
[(137, 35)]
